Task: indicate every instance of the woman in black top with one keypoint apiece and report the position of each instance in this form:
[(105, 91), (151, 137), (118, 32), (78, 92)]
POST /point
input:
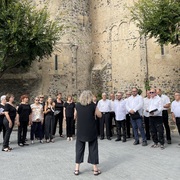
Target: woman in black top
[(69, 112), (58, 113), (8, 121), (24, 112), (86, 131), (49, 115)]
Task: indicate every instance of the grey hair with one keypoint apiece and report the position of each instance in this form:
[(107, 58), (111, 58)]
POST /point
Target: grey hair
[(86, 97)]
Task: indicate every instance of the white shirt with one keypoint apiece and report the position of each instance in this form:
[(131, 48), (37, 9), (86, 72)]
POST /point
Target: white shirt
[(145, 107), (104, 105), (126, 109), (165, 100), (37, 112), (175, 108), (120, 109), (112, 105), (135, 103), (155, 103)]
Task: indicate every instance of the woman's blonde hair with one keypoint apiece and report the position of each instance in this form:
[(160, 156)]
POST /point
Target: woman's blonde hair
[(86, 97)]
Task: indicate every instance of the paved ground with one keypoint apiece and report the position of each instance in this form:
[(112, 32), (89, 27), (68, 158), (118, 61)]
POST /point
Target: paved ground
[(117, 161)]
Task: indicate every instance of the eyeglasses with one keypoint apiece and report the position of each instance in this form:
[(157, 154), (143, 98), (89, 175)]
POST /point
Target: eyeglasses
[(36, 99), (151, 92), (41, 97), (134, 91)]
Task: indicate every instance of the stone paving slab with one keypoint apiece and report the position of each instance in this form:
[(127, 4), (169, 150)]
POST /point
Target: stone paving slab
[(55, 161)]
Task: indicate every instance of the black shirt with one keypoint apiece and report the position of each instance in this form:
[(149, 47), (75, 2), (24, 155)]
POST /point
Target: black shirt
[(11, 110), (24, 110), (69, 111), (59, 106), (2, 115), (86, 123)]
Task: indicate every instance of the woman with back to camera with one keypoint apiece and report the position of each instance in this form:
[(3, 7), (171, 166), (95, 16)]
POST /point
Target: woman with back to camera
[(8, 121), (86, 131)]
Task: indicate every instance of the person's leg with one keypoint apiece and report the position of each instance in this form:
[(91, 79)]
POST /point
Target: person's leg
[(123, 125), (141, 129), (128, 125), (24, 134), (80, 147), (107, 118), (5, 141), (55, 124), (20, 128), (39, 127), (160, 130), (72, 126), (135, 130), (68, 126), (93, 157), (146, 122), (60, 124), (166, 125), (178, 124), (33, 128), (153, 130), (102, 120), (47, 127), (110, 124), (118, 131)]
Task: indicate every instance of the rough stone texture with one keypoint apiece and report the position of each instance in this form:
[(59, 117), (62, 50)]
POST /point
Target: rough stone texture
[(97, 52)]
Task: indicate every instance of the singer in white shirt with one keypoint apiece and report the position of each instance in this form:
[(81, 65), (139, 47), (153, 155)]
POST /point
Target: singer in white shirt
[(120, 113)]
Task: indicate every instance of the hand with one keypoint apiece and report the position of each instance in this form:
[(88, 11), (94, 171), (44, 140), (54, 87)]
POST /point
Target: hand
[(131, 111), (18, 123), (152, 113), (10, 124)]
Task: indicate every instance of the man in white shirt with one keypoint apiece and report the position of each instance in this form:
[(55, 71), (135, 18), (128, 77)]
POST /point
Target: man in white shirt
[(166, 105), (175, 110), (134, 105), (146, 114), (128, 123), (155, 119), (112, 114), (104, 107), (120, 112)]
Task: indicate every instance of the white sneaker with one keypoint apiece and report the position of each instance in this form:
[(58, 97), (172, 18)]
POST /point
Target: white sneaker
[(32, 142), (71, 138), (68, 139), (41, 141)]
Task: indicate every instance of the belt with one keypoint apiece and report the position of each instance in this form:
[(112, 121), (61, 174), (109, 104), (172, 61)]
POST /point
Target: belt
[(105, 112)]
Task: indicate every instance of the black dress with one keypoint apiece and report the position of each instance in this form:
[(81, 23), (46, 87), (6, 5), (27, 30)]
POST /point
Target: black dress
[(86, 132), (1, 120)]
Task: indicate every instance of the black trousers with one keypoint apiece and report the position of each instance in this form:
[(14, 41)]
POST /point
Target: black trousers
[(111, 119), (121, 125), (98, 125), (157, 129), (105, 120), (69, 126), (93, 157), (8, 132), (146, 123), (22, 131), (2, 128), (36, 127), (178, 124), (58, 118), (48, 127), (128, 125), (166, 124)]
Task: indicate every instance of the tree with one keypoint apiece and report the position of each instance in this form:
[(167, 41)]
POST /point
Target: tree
[(26, 34), (159, 19)]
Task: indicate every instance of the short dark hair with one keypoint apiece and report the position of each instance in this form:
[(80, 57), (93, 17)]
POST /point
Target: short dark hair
[(8, 96), (24, 96)]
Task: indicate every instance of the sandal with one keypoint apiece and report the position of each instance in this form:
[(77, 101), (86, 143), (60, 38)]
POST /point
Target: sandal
[(10, 148), (76, 172), (97, 172), (6, 150)]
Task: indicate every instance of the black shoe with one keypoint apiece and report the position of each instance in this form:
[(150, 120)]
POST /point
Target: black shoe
[(20, 144), (118, 139), (169, 141), (144, 143), (101, 138), (108, 138), (124, 140), (25, 144), (136, 143)]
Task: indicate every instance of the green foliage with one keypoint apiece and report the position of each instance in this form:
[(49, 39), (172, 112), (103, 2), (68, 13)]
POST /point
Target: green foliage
[(147, 85), (159, 19), (26, 34)]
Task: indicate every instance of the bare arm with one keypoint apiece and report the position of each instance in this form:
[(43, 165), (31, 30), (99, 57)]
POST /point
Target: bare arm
[(98, 113)]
